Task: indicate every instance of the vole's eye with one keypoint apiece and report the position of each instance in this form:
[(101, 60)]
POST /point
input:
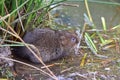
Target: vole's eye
[(73, 39)]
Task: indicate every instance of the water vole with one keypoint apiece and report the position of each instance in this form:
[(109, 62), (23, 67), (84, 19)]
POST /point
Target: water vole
[(52, 44)]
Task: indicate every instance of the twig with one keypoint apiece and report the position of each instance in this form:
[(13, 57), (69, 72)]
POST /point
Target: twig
[(17, 36), (78, 74), (68, 69), (88, 11), (26, 65), (19, 16)]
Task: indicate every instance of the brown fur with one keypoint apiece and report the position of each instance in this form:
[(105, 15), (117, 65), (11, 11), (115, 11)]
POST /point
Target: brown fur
[(51, 44)]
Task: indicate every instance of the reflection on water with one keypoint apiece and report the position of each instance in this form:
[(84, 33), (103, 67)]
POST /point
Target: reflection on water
[(73, 16), (63, 18)]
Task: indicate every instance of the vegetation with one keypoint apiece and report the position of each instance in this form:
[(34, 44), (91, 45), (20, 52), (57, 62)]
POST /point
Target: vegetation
[(17, 16)]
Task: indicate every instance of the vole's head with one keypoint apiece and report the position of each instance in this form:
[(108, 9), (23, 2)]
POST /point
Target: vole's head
[(68, 40)]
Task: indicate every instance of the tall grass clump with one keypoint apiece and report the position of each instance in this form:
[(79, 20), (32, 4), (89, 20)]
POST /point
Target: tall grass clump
[(22, 15), (18, 16)]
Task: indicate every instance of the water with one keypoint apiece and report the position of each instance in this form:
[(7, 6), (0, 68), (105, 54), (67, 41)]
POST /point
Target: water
[(74, 15)]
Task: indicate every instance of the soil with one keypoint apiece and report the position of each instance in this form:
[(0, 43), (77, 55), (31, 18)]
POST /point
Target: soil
[(69, 68)]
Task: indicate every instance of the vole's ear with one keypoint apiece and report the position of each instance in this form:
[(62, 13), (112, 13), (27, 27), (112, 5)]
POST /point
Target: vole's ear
[(63, 40)]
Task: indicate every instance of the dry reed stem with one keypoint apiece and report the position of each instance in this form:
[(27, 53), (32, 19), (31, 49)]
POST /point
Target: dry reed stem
[(17, 36)]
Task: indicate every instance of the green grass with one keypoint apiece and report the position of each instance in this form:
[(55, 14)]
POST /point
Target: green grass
[(18, 16), (22, 15), (89, 39)]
